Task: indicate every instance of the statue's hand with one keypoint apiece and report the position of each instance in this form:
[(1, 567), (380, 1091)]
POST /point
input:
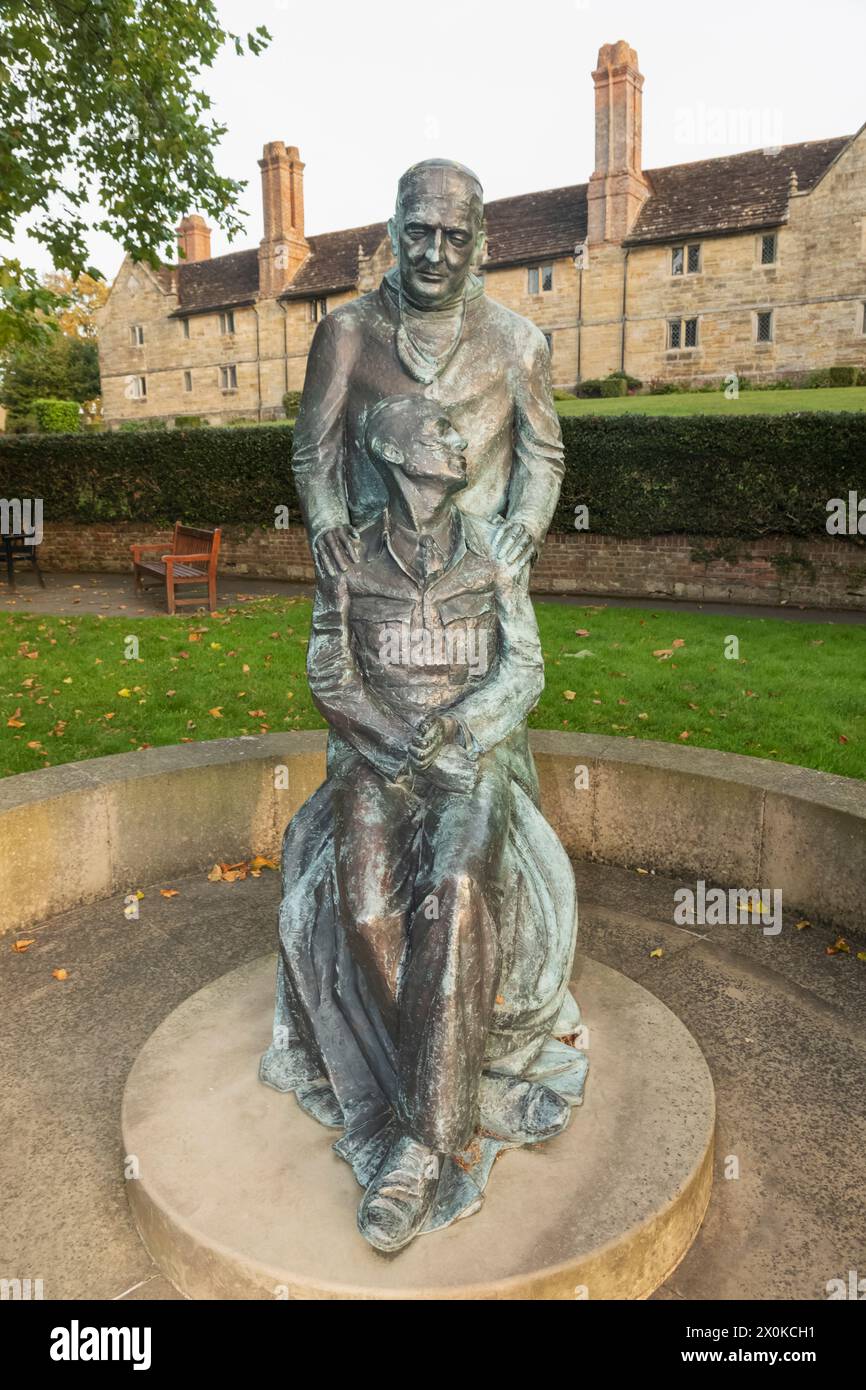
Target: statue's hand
[(337, 549), (514, 544), (437, 752)]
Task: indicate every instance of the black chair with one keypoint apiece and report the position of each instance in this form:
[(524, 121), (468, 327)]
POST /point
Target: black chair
[(14, 546)]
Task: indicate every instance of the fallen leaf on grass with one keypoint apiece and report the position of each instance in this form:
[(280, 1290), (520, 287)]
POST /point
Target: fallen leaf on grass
[(839, 947), (569, 695), (60, 974), (216, 712), (13, 722), (168, 892), (657, 953), (581, 632), (664, 653), (24, 944), (802, 924)]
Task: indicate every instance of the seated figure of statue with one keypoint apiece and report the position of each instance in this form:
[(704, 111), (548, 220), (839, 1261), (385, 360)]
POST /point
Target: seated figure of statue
[(428, 921)]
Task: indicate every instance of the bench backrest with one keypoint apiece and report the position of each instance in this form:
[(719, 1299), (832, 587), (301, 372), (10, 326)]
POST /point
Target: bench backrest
[(190, 540)]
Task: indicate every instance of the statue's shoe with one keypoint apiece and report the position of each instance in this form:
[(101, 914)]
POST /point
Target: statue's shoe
[(520, 1112), (318, 1099), (398, 1201)]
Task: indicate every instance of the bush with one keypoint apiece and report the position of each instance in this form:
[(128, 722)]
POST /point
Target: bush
[(665, 388), (614, 386), (188, 422), (843, 376), (639, 475), (590, 389), (21, 424), (291, 404), (632, 382), (559, 394), (146, 426), (818, 379), (56, 417)]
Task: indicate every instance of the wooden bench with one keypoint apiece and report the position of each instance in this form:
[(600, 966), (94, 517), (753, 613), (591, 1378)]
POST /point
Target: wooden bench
[(192, 560), (18, 545)]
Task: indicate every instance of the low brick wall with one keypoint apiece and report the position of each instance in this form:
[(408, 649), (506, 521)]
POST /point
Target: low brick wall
[(819, 572)]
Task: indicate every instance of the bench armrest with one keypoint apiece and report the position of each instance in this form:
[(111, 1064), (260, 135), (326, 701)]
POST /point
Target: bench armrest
[(183, 559), (150, 545)]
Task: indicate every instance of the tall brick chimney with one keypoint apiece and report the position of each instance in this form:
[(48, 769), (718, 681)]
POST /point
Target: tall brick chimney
[(193, 238), (617, 188), (283, 248)]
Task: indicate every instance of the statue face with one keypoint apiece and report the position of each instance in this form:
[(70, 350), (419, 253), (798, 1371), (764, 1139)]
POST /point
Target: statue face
[(415, 439), (436, 235)]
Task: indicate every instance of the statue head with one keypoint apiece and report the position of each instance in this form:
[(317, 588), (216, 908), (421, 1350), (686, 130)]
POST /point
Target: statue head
[(437, 230), (410, 437)]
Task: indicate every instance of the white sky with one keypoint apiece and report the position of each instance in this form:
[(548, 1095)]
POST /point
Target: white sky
[(367, 87)]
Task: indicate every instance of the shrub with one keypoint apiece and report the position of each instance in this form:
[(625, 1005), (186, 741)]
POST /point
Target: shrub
[(639, 475), (188, 422), (632, 382), (590, 389), (146, 426), (244, 424), (818, 379), (291, 403), (559, 394), (56, 417), (664, 388), (843, 376), (614, 386), (21, 424)]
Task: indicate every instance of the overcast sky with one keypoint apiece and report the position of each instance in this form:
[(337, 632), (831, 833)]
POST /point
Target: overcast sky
[(367, 88)]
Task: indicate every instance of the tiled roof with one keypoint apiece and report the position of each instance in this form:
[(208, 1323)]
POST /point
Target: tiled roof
[(535, 224), (727, 194), (218, 283), (731, 193), (333, 260)]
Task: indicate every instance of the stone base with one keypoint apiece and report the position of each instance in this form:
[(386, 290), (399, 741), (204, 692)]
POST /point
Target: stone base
[(239, 1194)]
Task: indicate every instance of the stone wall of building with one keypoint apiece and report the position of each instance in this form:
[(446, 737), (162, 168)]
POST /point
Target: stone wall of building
[(820, 572)]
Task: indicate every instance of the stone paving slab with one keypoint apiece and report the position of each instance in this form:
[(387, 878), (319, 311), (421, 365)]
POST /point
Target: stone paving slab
[(784, 1046)]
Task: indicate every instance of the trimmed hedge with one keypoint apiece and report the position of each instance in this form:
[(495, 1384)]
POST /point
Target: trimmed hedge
[(56, 417), (741, 475)]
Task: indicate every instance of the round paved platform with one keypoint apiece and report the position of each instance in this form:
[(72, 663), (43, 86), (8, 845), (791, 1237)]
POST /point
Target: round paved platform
[(240, 1196)]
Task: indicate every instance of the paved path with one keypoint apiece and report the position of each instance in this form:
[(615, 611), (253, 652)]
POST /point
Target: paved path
[(114, 594), (779, 1021)]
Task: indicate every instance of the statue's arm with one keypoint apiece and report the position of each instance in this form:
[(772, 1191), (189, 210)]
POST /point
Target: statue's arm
[(502, 702), (318, 450), (339, 691), (538, 464)]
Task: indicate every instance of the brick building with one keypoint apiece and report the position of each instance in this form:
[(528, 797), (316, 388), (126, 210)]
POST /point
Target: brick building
[(752, 263)]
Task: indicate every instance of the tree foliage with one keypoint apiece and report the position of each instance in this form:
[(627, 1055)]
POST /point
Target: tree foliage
[(61, 368), (101, 106)]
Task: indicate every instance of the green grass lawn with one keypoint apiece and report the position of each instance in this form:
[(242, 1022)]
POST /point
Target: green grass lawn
[(797, 692), (714, 403)]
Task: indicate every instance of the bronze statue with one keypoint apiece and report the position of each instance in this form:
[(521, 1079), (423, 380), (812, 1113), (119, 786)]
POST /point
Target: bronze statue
[(428, 922)]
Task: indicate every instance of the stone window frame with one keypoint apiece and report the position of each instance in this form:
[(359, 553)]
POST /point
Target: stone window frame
[(136, 334), (187, 380), (227, 325), (685, 248), (185, 328), (771, 316), (680, 323), (541, 272), (139, 384), (861, 318), (318, 309), (759, 250), (548, 338), (228, 378)]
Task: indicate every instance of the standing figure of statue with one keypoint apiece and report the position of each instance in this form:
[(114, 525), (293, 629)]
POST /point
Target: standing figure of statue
[(428, 920)]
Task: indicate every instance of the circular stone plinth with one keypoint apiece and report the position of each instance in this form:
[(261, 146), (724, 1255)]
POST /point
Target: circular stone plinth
[(240, 1195)]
